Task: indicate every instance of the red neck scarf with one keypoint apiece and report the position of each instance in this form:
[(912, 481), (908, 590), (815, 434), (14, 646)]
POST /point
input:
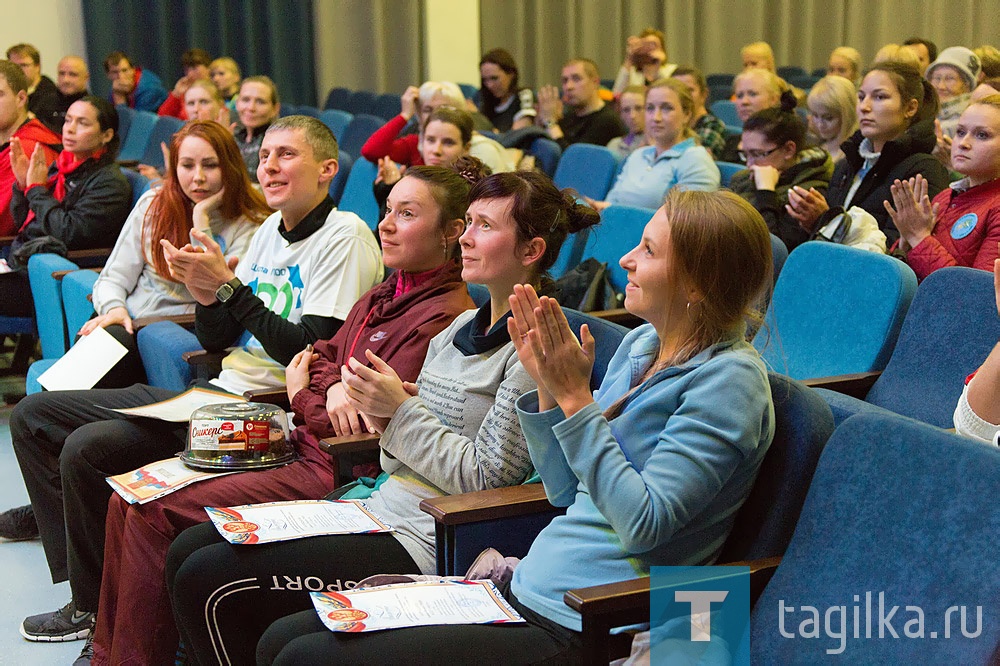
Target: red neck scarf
[(66, 163)]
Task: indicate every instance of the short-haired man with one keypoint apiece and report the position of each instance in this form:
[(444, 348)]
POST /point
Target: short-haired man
[(925, 50), (72, 78), (589, 120), (195, 63), (304, 270), (16, 122), (138, 88), (43, 97)]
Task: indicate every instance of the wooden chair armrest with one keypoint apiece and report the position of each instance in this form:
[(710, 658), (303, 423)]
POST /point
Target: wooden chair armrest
[(6, 241), (855, 385), (619, 316), (488, 504), (185, 320), (92, 253), (270, 396), (202, 357), (350, 443)]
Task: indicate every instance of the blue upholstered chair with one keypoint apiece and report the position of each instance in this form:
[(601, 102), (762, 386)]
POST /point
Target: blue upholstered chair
[(510, 518), (546, 153), (725, 111), (337, 121), (900, 508), (338, 98), (360, 101), (788, 71), (835, 310), (358, 196), (588, 169), (139, 183), (306, 110), (895, 507), (720, 79), (344, 164), (570, 254), (362, 126), (949, 330), (468, 90), (125, 116), (779, 255), (620, 230), (386, 106), (140, 129), (729, 169), (163, 131)]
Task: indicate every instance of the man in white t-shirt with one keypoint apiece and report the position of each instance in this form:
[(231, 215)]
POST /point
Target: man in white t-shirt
[(304, 270)]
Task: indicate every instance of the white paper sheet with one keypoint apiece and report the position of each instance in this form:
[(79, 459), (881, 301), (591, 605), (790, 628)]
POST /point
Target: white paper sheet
[(413, 605), (155, 480), (295, 519), (179, 408), (85, 363)]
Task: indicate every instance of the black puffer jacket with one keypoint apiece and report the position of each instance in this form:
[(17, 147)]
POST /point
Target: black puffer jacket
[(901, 158), (98, 199)]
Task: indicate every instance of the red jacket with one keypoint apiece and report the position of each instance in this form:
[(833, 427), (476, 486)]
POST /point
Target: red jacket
[(29, 133), (978, 208), (384, 141), (172, 106), (397, 329)]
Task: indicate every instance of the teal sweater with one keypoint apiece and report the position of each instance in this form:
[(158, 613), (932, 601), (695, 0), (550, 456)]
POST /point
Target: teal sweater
[(660, 484)]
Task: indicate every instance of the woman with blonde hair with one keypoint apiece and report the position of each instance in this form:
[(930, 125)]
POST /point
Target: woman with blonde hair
[(845, 61), (674, 159), (226, 76), (754, 90), (832, 118)]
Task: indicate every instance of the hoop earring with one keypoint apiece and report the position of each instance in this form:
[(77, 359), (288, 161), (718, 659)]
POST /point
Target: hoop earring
[(690, 319)]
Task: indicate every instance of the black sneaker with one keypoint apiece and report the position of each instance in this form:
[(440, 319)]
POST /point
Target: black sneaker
[(87, 653), (65, 624), (18, 524)]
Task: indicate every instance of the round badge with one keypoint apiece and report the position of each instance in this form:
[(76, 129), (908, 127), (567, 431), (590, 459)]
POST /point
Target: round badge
[(964, 225), (347, 615), (237, 526)]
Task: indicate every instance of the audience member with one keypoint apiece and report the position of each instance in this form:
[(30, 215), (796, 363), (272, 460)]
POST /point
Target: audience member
[(754, 90), (306, 267), (43, 96), (845, 62), (391, 326), (989, 58), (589, 120), (961, 227), (673, 160), (925, 50), (459, 433), (195, 63), (977, 414), (653, 467), (30, 132), (258, 106), (132, 86), (778, 158), (501, 99), (226, 76), (207, 189), (897, 53), (645, 61), (632, 110), (896, 109), (405, 150), (954, 75), (72, 79), (81, 202), (709, 129), (832, 118), (758, 55)]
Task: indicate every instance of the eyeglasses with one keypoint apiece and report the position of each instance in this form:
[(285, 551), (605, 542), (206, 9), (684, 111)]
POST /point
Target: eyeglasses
[(755, 154)]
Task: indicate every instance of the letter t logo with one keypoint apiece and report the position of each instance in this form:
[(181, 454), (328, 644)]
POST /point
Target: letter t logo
[(701, 607)]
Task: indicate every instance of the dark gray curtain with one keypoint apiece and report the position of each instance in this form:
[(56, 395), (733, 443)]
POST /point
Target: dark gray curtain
[(272, 37)]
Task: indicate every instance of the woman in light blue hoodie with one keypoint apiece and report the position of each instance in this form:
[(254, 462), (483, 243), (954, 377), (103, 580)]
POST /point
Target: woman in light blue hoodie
[(653, 467)]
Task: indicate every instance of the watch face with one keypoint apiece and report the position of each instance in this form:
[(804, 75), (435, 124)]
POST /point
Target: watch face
[(224, 292)]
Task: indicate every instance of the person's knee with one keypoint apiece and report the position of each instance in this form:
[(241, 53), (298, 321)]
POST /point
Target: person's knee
[(77, 450), (26, 416)]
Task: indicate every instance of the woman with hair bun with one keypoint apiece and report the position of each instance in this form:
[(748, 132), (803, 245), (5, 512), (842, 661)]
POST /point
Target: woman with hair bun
[(896, 109), (778, 158), (653, 467), (455, 430)]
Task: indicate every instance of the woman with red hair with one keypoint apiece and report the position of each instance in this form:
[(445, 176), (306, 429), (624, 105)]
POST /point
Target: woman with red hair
[(206, 188)]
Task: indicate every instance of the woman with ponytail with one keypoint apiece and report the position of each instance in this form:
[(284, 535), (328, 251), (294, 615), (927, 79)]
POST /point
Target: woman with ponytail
[(778, 158), (896, 109), (652, 468)]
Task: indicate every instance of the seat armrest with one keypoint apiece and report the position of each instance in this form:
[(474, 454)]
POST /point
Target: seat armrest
[(619, 316), (488, 504), (6, 241), (185, 320), (336, 446), (92, 253), (270, 396), (855, 385), (202, 357)]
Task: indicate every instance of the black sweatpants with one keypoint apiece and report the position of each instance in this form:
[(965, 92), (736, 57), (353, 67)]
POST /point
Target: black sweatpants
[(225, 596), (66, 443)]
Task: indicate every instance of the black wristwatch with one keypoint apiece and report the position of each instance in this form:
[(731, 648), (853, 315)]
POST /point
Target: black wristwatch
[(226, 291)]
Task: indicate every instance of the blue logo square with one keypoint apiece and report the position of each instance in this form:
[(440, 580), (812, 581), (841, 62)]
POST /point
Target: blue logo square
[(698, 615)]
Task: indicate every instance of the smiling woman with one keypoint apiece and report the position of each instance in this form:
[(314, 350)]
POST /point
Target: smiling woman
[(257, 106)]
